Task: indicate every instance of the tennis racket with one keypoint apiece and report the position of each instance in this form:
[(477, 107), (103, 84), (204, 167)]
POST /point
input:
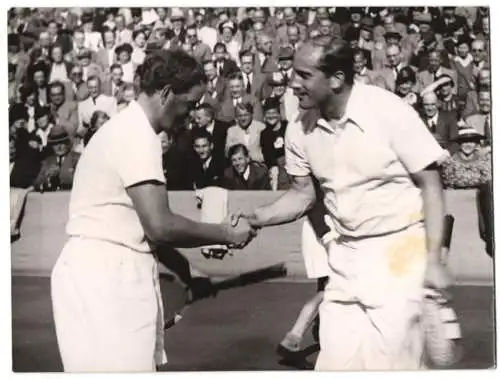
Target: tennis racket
[(177, 297)]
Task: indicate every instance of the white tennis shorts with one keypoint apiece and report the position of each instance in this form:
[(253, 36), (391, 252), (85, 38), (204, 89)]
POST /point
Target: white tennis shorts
[(107, 308), (371, 312)]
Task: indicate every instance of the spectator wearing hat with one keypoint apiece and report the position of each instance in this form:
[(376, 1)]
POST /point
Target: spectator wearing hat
[(41, 49), (481, 83), (227, 32), (366, 34), (96, 101), (78, 47), (294, 37), (139, 40), (405, 84), (225, 65), (38, 75), (76, 88), (216, 84), (283, 93), (124, 58), (243, 173), (361, 72), (290, 16), (93, 39), (237, 95), (285, 62), (18, 58), (177, 19), (59, 69), (64, 112), (252, 81), (67, 19), (123, 34), (59, 166), (433, 71), (448, 101), (30, 102), (206, 33), (481, 121), (106, 56), (355, 18), (247, 131), (201, 51), (272, 142), (114, 85), (89, 68), (442, 125), (56, 37)]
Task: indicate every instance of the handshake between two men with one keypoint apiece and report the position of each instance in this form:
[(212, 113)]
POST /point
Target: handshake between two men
[(242, 229)]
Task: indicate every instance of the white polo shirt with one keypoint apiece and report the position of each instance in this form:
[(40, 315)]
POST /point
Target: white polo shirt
[(364, 162), (123, 152)]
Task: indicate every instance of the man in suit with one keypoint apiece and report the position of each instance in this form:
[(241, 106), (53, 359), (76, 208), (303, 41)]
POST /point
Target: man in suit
[(434, 71), (76, 88), (96, 101), (123, 34), (67, 19), (483, 83), (106, 55), (237, 95), (204, 119), (285, 62), (78, 47), (290, 21), (389, 74), (59, 69), (58, 38), (114, 85), (252, 80), (88, 66), (64, 112), (361, 72), (59, 167), (223, 64), (442, 125), (243, 173), (201, 51), (206, 168), (294, 37), (479, 56), (246, 131), (481, 121), (216, 84), (265, 59)]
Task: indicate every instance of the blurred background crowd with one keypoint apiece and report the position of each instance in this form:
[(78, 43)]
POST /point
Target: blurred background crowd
[(70, 69)]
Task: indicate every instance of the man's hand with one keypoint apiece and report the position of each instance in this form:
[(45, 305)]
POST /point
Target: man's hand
[(239, 231)]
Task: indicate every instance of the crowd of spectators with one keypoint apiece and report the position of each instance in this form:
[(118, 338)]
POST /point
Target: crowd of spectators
[(70, 69)]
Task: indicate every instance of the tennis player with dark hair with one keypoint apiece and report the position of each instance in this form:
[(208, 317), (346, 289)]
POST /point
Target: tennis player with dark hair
[(376, 163), (105, 290)]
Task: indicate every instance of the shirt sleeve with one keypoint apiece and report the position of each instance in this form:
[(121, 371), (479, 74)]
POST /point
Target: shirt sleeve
[(412, 142), (295, 153), (138, 158)]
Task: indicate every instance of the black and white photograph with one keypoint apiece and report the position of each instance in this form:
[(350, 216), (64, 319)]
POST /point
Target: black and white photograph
[(254, 188)]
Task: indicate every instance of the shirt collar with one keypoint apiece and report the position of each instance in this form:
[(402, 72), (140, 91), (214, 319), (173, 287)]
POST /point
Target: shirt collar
[(355, 109), (246, 173)]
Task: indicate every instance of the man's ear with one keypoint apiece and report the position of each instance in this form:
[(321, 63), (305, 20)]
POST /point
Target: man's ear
[(164, 94)]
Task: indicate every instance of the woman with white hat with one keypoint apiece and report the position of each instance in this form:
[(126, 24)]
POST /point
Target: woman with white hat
[(227, 30)]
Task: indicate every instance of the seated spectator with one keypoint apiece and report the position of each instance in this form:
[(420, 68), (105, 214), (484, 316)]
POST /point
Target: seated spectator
[(482, 83), (247, 132), (139, 39), (124, 55), (442, 125), (206, 169), (64, 112), (204, 119), (201, 51), (394, 65), (272, 141), (77, 89), (225, 65), (97, 120), (44, 123), (252, 80), (285, 62), (216, 84), (59, 69), (481, 121), (361, 72), (405, 84), (228, 31), (479, 57), (59, 167), (434, 71), (283, 93), (114, 85), (448, 101), (107, 54), (174, 163), (38, 74), (244, 174), (93, 39), (470, 166), (89, 68), (462, 63), (237, 95), (30, 101), (12, 83)]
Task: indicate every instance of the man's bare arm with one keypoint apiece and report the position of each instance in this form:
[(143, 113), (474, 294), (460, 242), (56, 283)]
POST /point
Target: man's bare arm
[(429, 182), (294, 204), (162, 226)]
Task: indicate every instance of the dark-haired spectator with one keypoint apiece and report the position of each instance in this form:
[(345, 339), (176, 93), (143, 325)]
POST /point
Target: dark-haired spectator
[(30, 102), (97, 120), (434, 71), (89, 68), (123, 34), (113, 85), (139, 40), (64, 112), (25, 159), (265, 59), (482, 83), (76, 89), (394, 65), (206, 33), (228, 31), (479, 57), (201, 51), (106, 56), (124, 58), (44, 122), (59, 69), (225, 66), (462, 63), (252, 80), (246, 131), (361, 72), (18, 58), (204, 117), (206, 168), (243, 173), (93, 39), (178, 19), (96, 101), (58, 38), (405, 85), (237, 95), (282, 34), (78, 46), (58, 168), (281, 91), (38, 75), (481, 120), (272, 141)]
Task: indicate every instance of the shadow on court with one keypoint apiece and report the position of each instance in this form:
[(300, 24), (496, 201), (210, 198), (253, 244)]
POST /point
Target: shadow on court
[(237, 330)]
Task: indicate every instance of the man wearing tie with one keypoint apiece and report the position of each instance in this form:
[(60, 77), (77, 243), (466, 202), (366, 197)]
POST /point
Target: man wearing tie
[(252, 80), (224, 65), (442, 125), (481, 121), (389, 74), (434, 71)]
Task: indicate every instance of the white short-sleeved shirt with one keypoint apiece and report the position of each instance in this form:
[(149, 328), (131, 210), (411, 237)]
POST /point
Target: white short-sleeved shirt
[(364, 161), (124, 151)]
